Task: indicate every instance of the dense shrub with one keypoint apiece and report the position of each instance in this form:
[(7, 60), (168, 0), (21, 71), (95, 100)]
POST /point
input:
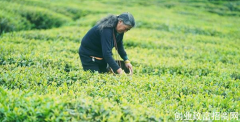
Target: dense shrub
[(11, 22), (38, 17)]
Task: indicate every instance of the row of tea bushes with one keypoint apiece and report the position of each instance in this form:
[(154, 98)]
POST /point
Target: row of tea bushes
[(11, 22)]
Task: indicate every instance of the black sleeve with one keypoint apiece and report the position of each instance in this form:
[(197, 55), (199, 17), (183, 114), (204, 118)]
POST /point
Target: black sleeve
[(106, 42), (121, 50)]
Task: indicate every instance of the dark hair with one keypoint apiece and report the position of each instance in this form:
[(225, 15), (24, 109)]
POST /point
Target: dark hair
[(111, 20), (127, 19)]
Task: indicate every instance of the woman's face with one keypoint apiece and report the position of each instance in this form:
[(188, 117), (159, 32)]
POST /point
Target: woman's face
[(122, 28)]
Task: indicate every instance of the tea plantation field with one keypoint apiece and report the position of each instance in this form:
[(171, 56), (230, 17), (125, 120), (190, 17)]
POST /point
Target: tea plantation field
[(185, 55)]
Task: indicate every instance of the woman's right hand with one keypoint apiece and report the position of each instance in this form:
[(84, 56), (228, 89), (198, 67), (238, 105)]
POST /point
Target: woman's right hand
[(120, 71)]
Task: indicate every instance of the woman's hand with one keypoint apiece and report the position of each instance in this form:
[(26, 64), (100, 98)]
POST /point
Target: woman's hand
[(129, 65), (120, 71)]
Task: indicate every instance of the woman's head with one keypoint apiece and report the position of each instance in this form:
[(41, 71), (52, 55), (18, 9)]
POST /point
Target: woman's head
[(122, 22), (127, 19), (125, 22)]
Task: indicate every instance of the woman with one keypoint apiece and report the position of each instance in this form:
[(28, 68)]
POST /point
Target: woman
[(96, 47)]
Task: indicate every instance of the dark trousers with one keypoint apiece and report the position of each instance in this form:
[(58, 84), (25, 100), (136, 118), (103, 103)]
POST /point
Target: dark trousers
[(93, 65)]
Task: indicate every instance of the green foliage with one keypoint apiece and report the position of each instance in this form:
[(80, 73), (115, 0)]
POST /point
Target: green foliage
[(10, 22), (70, 10), (38, 17), (186, 58)]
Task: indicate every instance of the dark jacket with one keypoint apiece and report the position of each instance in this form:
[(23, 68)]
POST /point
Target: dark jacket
[(99, 43)]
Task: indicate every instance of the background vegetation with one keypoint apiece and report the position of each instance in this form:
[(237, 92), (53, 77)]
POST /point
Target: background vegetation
[(186, 58)]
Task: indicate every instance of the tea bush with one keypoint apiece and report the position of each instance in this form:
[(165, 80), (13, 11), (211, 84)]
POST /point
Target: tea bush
[(10, 22), (38, 17)]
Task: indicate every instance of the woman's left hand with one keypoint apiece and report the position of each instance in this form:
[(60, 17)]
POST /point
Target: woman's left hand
[(129, 65)]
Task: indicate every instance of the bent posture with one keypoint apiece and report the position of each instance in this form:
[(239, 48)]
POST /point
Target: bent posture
[(96, 47)]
